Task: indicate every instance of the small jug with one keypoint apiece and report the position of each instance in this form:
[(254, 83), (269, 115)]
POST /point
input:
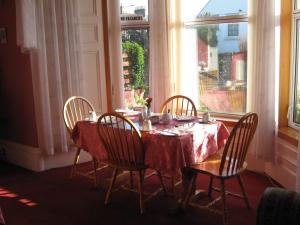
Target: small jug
[(147, 126), (166, 117), (93, 116), (205, 117)]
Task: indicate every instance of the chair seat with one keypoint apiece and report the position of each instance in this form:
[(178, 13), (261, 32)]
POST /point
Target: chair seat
[(211, 166)]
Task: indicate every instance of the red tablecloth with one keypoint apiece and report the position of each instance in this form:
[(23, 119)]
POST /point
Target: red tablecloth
[(194, 143)]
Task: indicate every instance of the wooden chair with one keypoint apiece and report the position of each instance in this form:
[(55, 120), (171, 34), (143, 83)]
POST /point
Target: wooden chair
[(228, 165), (178, 105), (125, 150), (77, 108)]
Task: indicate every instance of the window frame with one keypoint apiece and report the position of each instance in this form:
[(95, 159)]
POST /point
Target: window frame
[(233, 30), (295, 10), (190, 23), (295, 48)]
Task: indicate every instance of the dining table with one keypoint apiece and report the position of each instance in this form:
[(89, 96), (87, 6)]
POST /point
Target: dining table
[(169, 147)]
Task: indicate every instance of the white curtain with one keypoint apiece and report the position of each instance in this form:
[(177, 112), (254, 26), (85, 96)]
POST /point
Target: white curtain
[(261, 75), (186, 60), (55, 64), (26, 29), (115, 53), (161, 81), (172, 53)]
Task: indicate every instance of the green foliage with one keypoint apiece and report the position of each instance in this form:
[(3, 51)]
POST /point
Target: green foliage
[(139, 97), (208, 34), (136, 53)]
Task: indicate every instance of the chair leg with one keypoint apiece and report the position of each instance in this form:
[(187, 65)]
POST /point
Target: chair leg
[(243, 191), (173, 184), (140, 188), (161, 182), (112, 182), (210, 186), (95, 166), (131, 179), (73, 170), (223, 195), (189, 191)]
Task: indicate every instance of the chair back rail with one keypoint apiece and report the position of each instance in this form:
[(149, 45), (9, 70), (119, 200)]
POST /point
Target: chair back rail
[(179, 105), (122, 140), (75, 109), (237, 145)]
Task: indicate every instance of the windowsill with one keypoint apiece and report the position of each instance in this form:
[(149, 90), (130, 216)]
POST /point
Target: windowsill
[(228, 120), (288, 134)]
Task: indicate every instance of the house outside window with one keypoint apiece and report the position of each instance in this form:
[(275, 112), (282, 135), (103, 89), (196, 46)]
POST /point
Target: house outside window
[(135, 50), (294, 108), (233, 30), (222, 61)]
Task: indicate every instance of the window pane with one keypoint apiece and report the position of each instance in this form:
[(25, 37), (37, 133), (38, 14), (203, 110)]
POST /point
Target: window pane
[(297, 4), (198, 9), (135, 46), (296, 113), (222, 67), (134, 10)]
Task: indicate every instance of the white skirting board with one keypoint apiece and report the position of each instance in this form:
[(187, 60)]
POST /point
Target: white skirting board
[(283, 170), (33, 159)]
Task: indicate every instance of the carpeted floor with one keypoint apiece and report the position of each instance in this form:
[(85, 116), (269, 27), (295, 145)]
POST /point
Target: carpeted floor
[(51, 198)]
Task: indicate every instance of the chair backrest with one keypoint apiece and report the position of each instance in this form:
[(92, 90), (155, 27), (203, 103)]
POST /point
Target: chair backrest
[(237, 145), (122, 140), (76, 108), (179, 105)]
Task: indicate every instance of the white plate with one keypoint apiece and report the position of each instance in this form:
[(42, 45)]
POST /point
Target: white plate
[(168, 133), (184, 118), (125, 112)]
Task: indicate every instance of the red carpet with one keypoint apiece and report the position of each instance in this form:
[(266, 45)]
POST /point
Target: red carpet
[(51, 198)]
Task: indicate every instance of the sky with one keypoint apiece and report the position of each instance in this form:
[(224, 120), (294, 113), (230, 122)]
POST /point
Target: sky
[(129, 5)]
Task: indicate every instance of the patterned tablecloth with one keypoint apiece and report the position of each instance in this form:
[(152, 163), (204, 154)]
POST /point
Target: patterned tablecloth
[(168, 147)]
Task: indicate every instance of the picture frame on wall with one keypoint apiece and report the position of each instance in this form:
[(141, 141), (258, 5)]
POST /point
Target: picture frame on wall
[(3, 37)]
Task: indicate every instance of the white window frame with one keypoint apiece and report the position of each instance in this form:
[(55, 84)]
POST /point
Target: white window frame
[(293, 85), (233, 30)]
